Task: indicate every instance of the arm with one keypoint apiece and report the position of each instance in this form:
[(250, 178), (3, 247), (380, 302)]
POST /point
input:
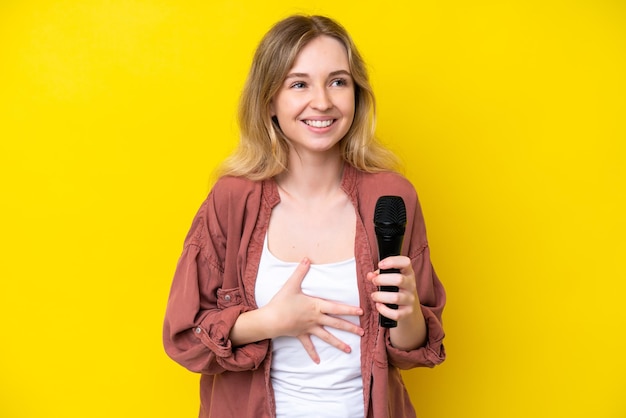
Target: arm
[(418, 338), (204, 304), (198, 321)]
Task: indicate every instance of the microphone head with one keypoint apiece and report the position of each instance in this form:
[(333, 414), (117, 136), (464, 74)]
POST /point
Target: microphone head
[(390, 216)]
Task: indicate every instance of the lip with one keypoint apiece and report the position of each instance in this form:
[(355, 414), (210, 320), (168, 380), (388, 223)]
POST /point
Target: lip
[(322, 118)]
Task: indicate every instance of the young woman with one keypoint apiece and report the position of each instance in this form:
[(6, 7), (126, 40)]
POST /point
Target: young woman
[(275, 299)]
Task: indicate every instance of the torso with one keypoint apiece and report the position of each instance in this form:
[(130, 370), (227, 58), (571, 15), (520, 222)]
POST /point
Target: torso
[(323, 229)]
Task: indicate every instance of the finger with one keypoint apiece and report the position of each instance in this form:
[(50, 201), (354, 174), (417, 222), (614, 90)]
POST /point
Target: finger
[(309, 347), (393, 298), (334, 308), (342, 324), (388, 279), (388, 312), (397, 262), (330, 339), (299, 273)]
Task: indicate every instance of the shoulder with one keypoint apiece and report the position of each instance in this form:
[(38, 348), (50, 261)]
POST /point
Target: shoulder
[(232, 186), (369, 187), (372, 186), (230, 193), (228, 202), (384, 183), (390, 178)]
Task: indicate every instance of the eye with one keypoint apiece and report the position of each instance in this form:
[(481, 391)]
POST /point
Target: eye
[(339, 82), (297, 85)]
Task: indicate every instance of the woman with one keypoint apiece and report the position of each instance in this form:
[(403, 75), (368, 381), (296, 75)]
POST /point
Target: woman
[(275, 298)]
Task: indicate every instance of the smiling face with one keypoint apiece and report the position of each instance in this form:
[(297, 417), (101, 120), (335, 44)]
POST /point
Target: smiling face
[(315, 103)]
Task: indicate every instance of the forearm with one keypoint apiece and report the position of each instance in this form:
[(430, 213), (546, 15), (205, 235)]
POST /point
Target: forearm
[(250, 327)]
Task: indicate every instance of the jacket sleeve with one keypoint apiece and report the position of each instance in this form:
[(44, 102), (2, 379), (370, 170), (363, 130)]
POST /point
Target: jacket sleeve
[(201, 309), (432, 298)]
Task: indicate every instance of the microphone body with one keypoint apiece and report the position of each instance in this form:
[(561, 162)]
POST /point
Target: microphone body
[(389, 225)]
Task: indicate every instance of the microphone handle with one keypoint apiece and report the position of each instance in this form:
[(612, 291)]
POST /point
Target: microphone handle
[(383, 321), (388, 246)]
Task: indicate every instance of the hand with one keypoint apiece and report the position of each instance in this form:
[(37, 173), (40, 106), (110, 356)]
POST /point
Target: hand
[(406, 298), (301, 316)]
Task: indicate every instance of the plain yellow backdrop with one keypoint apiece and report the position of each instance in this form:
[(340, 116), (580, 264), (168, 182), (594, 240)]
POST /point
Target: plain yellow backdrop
[(509, 116)]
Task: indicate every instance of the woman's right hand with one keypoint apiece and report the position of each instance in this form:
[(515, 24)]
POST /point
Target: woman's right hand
[(298, 315)]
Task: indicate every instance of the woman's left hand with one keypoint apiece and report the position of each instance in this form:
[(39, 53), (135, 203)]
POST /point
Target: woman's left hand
[(411, 330), (406, 298)]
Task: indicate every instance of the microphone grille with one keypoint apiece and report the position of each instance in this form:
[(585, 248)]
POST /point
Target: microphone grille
[(390, 215)]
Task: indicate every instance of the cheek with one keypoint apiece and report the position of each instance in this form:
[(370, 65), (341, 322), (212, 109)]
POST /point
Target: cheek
[(350, 110), (285, 106), (349, 104)]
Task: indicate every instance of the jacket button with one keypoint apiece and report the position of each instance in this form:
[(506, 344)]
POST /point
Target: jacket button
[(227, 298), (198, 330)]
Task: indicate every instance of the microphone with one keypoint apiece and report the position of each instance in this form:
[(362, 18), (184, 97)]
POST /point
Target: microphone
[(389, 225)]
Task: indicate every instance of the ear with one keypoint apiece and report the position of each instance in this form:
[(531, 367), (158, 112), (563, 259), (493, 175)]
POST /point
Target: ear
[(272, 110)]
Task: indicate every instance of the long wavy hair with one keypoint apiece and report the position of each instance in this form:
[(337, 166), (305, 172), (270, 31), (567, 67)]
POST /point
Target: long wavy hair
[(263, 149)]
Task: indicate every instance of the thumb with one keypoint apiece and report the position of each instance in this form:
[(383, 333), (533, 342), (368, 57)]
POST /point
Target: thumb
[(296, 278)]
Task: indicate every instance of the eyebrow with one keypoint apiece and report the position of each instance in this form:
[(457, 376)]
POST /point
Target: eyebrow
[(332, 74)]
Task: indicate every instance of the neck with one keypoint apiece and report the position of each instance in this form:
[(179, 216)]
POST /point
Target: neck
[(312, 179)]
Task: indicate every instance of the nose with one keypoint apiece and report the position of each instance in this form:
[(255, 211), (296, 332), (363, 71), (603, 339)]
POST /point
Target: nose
[(320, 99)]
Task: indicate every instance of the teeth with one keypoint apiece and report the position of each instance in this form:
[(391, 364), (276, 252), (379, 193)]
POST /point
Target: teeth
[(319, 123)]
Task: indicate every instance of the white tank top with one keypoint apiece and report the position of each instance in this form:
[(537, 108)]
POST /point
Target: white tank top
[(334, 387)]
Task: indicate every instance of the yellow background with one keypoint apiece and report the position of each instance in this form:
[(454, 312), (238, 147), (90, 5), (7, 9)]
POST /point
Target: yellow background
[(509, 116)]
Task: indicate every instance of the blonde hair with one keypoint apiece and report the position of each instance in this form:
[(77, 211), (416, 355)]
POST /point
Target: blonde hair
[(263, 149)]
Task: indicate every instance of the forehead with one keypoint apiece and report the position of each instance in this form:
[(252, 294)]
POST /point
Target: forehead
[(323, 52)]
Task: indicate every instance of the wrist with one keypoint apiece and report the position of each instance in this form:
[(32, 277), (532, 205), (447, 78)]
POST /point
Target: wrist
[(410, 333), (252, 326), (266, 321)]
